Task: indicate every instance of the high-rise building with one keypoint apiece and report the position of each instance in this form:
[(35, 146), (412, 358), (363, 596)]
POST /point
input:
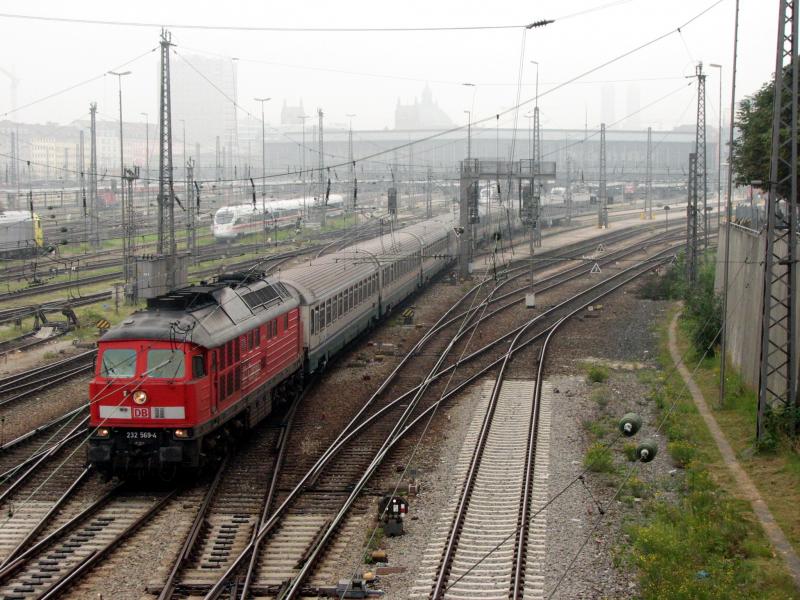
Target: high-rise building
[(608, 103), (634, 120), (205, 102)]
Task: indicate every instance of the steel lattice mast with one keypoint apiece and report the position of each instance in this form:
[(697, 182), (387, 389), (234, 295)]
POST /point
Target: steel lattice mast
[(166, 194), (692, 222), (701, 174), (648, 190), (777, 387), (602, 195)]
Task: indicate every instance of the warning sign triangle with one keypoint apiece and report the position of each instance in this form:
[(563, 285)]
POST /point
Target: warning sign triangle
[(595, 269), (600, 248)]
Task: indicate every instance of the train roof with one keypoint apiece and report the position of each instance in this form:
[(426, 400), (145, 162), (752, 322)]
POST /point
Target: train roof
[(321, 277), (285, 204), (8, 217), (208, 314)]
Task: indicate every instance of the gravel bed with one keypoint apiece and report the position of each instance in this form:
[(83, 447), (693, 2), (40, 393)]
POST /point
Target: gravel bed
[(623, 340), (42, 354), (144, 557), (23, 415), (432, 468), (620, 337)]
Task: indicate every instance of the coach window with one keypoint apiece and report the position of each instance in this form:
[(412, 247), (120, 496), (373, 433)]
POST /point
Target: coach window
[(341, 303), (286, 322), (236, 348), (118, 363), (165, 364), (328, 311)]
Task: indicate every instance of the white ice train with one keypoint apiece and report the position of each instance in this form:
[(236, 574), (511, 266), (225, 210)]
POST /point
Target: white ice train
[(241, 219)]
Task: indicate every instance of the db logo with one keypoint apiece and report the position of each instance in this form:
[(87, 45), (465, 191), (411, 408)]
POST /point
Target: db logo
[(141, 412)]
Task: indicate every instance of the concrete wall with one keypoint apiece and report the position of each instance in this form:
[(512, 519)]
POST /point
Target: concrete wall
[(745, 290)]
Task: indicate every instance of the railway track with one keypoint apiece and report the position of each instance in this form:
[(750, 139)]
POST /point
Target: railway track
[(300, 536), (8, 315), (332, 485), (229, 514), (368, 230), (483, 542), (49, 567), (26, 383)]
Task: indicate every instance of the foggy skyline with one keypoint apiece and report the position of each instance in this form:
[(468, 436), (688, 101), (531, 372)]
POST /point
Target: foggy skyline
[(366, 74)]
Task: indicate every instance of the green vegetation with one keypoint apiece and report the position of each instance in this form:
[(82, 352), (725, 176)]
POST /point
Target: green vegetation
[(702, 307), (774, 463), (597, 374), (682, 452), (752, 147), (373, 541), (598, 459), (601, 397), (702, 547), (629, 450), (694, 539)]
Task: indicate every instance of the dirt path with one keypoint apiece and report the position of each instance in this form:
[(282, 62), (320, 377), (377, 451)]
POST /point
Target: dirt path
[(747, 489)]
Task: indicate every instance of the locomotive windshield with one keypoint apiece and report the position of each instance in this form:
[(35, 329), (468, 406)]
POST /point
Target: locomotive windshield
[(224, 217), (165, 364), (118, 363)]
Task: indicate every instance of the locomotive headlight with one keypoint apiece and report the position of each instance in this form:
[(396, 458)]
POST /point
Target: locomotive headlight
[(103, 432), (139, 397), (181, 433)]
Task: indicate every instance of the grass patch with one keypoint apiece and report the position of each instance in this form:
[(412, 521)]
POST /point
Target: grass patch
[(629, 451), (695, 539), (600, 428), (600, 396), (774, 466), (373, 542), (598, 459), (682, 452), (597, 374)]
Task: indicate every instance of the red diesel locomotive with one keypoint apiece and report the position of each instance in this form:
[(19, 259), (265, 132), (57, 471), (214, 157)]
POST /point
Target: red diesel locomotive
[(175, 382)]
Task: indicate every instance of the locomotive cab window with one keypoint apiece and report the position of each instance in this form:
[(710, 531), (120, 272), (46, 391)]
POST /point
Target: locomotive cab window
[(198, 367), (165, 364), (118, 363)]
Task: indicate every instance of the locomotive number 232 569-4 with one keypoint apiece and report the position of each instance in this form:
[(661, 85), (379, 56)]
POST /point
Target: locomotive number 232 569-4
[(141, 435)]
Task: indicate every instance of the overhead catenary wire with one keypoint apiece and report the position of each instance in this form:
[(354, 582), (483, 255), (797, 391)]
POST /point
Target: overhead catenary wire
[(69, 88), (441, 133), (671, 372)]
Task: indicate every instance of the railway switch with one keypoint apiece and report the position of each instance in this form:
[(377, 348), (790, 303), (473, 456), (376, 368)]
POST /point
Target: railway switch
[(392, 510), (630, 424), (355, 588)]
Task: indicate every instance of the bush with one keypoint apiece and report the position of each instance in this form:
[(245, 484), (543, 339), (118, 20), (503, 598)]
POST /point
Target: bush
[(636, 487), (695, 549), (598, 459), (600, 428), (682, 453), (629, 450), (600, 395), (703, 311), (597, 374)]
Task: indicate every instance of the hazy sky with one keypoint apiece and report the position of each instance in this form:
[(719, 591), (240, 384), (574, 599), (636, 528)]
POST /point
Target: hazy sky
[(366, 73)]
